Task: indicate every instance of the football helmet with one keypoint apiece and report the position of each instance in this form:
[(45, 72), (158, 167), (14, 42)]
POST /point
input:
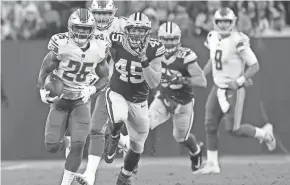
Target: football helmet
[(104, 12), (81, 25), (169, 34), (137, 30), (224, 20)]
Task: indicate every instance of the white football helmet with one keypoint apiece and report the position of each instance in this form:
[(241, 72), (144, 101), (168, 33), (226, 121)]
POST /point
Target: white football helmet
[(224, 20), (104, 12), (137, 29), (81, 26), (169, 34)]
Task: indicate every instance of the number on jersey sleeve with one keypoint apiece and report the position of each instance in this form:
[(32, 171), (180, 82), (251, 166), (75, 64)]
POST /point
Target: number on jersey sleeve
[(243, 42), (187, 55), (218, 59), (78, 72), (136, 74), (115, 37), (55, 42)]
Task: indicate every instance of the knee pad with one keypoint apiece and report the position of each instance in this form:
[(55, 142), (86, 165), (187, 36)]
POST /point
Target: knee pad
[(53, 147), (136, 147), (77, 148)]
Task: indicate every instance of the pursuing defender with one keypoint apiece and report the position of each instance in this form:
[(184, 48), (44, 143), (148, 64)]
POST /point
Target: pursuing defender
[(137, 68), (180, 73), (106, 23), (73, 56), (229, 52)]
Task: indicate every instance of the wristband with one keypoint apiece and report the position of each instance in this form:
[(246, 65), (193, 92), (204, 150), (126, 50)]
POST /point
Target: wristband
[(145, 64), (241, 80)]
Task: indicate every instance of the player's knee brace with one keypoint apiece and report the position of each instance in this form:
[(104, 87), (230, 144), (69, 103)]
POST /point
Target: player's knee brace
[(53, 147), (136, 147)]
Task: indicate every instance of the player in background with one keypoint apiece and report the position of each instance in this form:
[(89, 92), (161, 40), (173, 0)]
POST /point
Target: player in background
[(137, 69), (73, 56), (106, 23), (229, 51), (180, 73)]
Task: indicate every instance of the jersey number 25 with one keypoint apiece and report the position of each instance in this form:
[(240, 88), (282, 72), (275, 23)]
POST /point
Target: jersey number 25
[(79, 71), (218, 59), (135, 75)]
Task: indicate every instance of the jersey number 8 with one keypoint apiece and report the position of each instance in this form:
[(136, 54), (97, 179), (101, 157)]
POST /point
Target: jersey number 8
[(218, 59), (135, 75), (79, 71)]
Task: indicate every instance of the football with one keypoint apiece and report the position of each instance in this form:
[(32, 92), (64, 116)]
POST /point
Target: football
[(53, 84)]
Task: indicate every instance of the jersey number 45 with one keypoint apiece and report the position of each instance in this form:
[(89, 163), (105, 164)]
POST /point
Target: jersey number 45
[(135, 75)]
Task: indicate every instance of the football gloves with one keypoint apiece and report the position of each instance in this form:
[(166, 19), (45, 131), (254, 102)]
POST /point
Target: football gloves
[(45, 98), (87, 92)]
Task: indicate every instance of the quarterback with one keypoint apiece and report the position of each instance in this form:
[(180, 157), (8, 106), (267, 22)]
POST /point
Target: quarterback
[(137, 68), (230, 52), (180, 73), (73, 56)]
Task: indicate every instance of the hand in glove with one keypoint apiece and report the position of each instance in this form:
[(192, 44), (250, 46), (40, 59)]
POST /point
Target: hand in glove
[(45, 98), (87, 92)]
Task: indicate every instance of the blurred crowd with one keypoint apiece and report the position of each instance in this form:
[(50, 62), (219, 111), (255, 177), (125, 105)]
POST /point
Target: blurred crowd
[(40, 19)]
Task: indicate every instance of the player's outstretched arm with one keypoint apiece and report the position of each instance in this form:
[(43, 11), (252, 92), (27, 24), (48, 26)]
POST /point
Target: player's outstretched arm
[(207, 68), (50, 62), (152, 72), (197, 77), (102, 70)]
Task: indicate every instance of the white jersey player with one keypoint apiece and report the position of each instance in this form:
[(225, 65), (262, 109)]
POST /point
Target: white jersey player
[(106, 23), (230, 53), (72, 57)]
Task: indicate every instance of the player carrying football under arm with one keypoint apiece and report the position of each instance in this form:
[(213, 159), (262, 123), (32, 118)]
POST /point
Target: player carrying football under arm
[(73, 56), (106, 23), (229, 52), (180, 73), (137, 68)]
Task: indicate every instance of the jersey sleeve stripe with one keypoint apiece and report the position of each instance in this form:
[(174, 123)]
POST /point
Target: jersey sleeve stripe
[(160, 51), (190, 58), (55, 43)]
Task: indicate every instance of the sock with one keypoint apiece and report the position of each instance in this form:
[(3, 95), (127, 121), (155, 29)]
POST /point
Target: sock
[(212, 156), (67, 177), (67, 144), (191, 144), (131, 160), (260, 133), (246, 130), (124, 141), (92, 165), (126, 172), (116, 129)]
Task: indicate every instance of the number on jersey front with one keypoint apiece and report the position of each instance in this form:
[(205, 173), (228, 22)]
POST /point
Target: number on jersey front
[(130, 71), (78, 71), (218, 59)]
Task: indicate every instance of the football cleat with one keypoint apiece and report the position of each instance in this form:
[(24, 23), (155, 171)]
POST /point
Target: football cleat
[(196, 160), (123, 179), (82, 180), (209, 168), (111, 145), (269, 138)]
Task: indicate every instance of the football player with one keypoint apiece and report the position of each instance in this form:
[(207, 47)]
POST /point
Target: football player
[(137, 68), (180, 73), (229, 51), (73, 56), (106, 23)]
